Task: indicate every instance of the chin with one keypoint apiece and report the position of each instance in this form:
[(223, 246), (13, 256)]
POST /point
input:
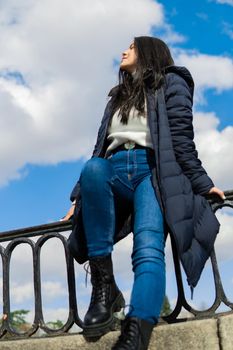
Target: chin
[(124, 67)]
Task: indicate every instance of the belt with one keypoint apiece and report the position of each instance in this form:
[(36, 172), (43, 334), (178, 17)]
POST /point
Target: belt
[(128, 146)]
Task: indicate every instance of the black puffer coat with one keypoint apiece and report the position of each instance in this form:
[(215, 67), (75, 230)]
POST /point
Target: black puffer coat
[(179, 179)]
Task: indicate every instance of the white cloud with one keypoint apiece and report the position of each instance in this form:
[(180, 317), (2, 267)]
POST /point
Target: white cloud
[(64, 54), (56, 314), (50, 315), (213, 146), (123, 266), (224, 239), (228, 29), (171, 36), (202, 68), (227, 2), (20, 293), (25, 292), (53, 289), (202, 15)]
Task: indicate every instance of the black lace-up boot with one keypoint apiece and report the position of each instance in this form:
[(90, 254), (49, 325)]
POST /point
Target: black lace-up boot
[(135, 334), (106, 299)]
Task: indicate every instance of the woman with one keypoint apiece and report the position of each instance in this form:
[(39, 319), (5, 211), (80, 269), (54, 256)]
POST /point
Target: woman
[(144, 177)]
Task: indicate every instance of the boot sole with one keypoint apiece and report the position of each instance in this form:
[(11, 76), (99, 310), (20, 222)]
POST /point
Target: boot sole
[(97, 330)]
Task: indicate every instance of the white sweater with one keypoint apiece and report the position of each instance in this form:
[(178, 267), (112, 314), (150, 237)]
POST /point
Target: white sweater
[(136, 130)]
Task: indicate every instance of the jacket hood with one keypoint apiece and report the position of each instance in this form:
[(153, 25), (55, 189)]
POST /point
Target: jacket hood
[(182, 72), (114, 90)]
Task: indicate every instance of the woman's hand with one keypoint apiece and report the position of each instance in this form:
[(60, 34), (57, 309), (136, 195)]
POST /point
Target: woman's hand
[(69, 213), (215, 190)]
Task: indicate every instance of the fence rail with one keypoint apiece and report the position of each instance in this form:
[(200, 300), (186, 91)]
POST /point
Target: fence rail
[(54, 230)]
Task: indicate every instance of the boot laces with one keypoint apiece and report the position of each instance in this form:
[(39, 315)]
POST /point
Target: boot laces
[(128, 337), (100, 289)]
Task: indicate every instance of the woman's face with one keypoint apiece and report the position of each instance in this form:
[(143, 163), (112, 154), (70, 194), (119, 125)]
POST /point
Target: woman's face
[(129, 59)]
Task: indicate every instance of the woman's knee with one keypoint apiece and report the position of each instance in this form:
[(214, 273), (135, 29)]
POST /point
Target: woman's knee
[(95, 170), (149, 238), (148, 246)]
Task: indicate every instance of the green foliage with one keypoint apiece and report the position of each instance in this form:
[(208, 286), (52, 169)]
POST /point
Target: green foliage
[(55, 324), (17, 318), (166, 309), (18, 322)]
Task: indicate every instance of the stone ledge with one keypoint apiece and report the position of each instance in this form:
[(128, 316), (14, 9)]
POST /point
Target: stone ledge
[(192, 335), (225, 327)]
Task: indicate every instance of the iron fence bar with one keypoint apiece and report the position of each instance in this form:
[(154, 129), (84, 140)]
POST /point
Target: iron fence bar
[(216, 204), (59, 226)]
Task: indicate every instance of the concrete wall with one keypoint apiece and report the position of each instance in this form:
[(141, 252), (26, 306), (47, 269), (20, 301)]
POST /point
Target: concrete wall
[(209, 334)]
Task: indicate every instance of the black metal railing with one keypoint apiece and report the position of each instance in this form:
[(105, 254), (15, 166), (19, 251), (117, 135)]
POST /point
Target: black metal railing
[(24, 236), (220, 296), (54, 230)]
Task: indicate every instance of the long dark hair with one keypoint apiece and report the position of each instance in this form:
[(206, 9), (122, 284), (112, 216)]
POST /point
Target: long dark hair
[(153, 55)]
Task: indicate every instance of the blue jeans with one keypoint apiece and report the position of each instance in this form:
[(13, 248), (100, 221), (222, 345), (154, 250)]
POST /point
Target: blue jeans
[(124, 178)]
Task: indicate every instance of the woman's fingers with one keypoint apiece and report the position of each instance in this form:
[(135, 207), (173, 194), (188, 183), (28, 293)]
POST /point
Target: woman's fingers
[(69, 214), (220, 193)]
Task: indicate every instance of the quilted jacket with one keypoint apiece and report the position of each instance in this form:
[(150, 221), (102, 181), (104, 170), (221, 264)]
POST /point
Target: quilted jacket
[(179, 179)]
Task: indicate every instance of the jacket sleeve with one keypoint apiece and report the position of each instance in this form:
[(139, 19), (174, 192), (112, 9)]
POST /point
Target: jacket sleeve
[(178, 99)]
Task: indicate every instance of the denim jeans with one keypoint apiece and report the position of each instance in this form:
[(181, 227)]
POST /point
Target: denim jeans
[(125, 178)]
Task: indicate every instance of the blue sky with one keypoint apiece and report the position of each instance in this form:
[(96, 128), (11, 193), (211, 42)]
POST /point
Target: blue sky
[(48, 77), (202, 22)]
